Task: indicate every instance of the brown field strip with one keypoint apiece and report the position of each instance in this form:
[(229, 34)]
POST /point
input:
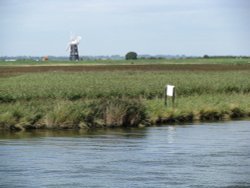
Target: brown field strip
[(10, 70)]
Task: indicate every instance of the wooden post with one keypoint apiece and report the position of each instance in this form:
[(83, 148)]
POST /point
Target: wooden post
[(165, 96), (173, 98)]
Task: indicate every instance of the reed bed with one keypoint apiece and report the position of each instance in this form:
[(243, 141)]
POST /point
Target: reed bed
[(112, 99), (66, 114), (146, 85)]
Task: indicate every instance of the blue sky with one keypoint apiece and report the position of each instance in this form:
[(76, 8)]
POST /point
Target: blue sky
[(107, 27)]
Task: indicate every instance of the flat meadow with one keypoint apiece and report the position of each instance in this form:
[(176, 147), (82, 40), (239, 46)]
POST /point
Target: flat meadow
[(83, 96)]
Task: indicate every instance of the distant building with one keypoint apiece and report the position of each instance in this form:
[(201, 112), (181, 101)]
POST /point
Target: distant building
[(10, 59), (45, 58)]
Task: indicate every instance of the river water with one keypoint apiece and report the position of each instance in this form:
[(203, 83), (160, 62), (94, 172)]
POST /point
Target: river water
[(198, 155)]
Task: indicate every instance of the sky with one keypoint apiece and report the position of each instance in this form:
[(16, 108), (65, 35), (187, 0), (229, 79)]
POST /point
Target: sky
[(110, 27)]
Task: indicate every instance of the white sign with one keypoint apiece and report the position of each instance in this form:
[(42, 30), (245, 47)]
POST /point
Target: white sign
[(170, 90)]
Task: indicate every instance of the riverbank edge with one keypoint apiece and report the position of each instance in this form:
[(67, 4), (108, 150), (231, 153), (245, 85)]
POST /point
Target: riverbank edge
[(112, 114)]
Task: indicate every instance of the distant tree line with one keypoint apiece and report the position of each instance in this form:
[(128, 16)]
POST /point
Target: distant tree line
[(226, 56)]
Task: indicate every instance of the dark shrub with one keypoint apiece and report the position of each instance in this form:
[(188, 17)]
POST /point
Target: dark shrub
[(131, 56)]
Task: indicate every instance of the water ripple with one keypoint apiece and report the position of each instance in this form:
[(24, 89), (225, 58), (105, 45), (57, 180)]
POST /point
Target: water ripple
[(208, 155)]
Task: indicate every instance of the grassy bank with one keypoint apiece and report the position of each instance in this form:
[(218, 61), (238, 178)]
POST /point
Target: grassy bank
[(111, 99), (66, 114)]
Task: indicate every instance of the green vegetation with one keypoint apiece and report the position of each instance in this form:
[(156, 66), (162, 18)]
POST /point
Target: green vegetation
[(143, 85), (210, 60), (128, 98), (131, 56), (200, 108)]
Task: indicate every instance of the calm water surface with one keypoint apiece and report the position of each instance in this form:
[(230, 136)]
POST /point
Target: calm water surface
[(205, 155)]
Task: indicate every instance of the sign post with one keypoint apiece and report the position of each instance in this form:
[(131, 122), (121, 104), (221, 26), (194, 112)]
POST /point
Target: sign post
[(169, 91)]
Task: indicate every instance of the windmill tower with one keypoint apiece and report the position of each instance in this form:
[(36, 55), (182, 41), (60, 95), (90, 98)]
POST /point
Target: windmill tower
[(73, 47)]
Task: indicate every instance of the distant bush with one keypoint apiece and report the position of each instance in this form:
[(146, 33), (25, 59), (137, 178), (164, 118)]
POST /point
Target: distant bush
[(131, 55), (206, 56)]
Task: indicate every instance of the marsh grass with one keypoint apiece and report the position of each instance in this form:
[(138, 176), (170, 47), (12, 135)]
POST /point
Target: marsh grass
[(120, 99), (122, 112), (147, 85), (66, 114), (116, 112), (200, 108)]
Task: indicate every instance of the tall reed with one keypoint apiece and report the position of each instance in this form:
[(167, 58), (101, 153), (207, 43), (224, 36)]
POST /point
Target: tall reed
[(92, 85)]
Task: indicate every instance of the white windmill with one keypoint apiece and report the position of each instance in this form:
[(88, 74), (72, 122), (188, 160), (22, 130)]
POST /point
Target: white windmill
[(73, 46)]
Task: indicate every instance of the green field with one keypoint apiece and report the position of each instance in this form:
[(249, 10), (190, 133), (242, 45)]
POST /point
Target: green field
[(146, 85), (120, 98), (235, 60)]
